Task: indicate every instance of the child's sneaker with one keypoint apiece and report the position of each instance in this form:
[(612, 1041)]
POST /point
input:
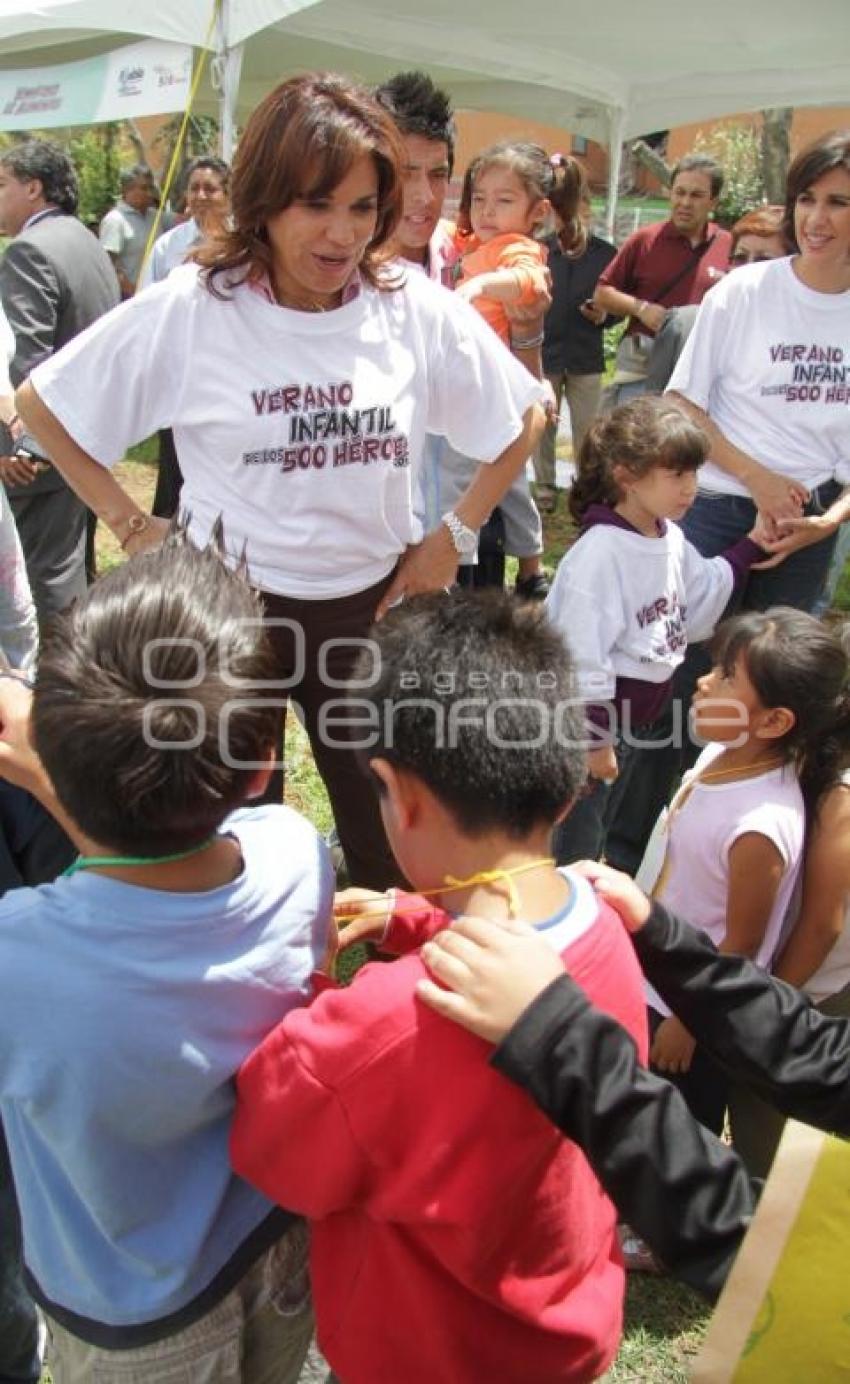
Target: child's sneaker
[(637, 1256), (533, 588)]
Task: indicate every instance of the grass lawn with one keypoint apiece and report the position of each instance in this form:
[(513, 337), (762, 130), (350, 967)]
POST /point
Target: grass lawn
[(664, 1322)]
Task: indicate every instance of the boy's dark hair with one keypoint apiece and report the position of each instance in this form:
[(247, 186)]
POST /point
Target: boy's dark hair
[(418, 107), (646, 432), (145, 690), (701, 163), (50, 165), (473, 693)]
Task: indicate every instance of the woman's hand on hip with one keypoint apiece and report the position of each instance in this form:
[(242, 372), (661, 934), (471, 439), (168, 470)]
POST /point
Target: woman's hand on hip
[(427, 566)]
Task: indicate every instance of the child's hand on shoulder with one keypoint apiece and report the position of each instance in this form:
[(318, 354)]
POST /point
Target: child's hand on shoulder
[(617, 889), (361, 915), (488, 973), (672, 1048)]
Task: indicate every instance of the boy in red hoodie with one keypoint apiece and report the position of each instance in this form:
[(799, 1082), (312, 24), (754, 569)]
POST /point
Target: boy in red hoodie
[(456, 1236)]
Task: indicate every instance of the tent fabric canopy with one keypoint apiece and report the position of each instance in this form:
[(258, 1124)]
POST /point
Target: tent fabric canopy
[(573, 63), (31, 24)]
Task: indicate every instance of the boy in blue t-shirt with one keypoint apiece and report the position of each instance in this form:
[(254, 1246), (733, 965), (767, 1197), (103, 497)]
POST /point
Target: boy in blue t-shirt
[(132, 989)]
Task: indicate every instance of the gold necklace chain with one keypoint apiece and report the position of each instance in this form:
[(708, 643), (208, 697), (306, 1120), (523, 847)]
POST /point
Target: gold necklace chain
[(683, 796), (743, 771)]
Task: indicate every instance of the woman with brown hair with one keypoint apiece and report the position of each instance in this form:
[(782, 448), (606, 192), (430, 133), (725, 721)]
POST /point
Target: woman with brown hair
[(300, 372), (764, 373)]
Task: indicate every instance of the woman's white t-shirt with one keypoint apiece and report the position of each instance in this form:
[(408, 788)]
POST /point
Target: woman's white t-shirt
[(303, 431), (769, 361), (701, 834)]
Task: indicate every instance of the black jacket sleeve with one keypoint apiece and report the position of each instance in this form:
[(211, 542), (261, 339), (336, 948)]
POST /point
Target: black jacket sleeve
[(683, 1191), (764, 1032)]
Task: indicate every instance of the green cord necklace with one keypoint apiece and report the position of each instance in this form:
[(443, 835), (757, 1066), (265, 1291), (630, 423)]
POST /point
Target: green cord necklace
[(88, 862)]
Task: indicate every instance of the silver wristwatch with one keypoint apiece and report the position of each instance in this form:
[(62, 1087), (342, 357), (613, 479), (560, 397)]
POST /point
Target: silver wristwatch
[(464, 539)]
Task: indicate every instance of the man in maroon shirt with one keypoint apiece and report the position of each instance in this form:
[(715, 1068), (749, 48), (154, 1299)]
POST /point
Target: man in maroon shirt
[(668, 264)]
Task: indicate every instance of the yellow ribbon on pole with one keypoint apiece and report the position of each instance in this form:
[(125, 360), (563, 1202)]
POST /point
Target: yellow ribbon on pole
[(175, 157)]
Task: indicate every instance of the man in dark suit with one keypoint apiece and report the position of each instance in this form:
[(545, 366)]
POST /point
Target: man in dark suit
[(55, 280)]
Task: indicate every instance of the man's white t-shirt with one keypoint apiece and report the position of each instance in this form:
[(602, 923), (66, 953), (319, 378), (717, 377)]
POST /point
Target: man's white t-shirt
[(769, 361), (124, 233), (303, 431), (703, 831)]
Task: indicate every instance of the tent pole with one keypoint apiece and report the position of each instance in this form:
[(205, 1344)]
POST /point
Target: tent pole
[(229, 93), (616, 129), (228, 68)]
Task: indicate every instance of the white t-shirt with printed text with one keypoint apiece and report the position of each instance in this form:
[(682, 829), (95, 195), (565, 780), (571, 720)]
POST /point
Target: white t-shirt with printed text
[(303, 430), (628, 605), (769, 361)]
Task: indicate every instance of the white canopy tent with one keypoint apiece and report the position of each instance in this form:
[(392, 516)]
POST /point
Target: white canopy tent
[(607, 71)]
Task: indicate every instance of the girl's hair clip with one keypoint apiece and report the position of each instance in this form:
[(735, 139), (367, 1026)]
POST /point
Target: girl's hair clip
[(557, 160)]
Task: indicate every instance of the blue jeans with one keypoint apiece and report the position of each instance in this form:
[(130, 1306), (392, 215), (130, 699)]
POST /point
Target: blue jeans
[(713, 523), (583, 833)]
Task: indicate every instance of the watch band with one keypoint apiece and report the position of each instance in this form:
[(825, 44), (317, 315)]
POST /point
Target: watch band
[(464, 539)]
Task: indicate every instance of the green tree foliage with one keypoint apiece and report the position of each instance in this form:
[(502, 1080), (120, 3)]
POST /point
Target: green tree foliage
[(201, 138), (737, 148), (96, 156)]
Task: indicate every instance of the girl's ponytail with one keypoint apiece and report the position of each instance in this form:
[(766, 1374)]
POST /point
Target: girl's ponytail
[(646, 432), (594, 483), (568, 198), (795, 661), (824, 755)]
